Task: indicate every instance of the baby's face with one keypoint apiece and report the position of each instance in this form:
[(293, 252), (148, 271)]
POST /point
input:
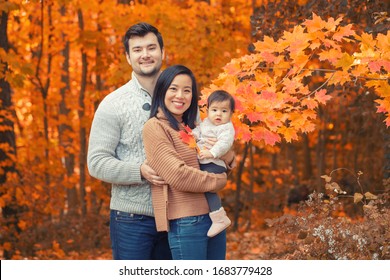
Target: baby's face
[(219, 112)]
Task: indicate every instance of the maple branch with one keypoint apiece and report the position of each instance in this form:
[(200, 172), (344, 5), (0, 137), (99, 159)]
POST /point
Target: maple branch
[(300, 71), (285, 76), (285, 68), (320, 87), (322, 70), (372, 79)]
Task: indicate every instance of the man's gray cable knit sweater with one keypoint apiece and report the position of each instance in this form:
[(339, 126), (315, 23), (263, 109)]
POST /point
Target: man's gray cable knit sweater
[(116, 151)]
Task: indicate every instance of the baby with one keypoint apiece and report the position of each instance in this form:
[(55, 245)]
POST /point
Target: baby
[(220, 108)]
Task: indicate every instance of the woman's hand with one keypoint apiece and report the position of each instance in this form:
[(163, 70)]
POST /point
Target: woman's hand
[(203, 154), (230, 160)]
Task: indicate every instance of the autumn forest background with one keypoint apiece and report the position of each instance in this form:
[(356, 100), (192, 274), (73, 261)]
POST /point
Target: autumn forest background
[(312, 85)]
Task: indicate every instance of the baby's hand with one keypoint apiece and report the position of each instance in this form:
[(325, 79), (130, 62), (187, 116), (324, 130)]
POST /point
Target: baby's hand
[(203, 154)]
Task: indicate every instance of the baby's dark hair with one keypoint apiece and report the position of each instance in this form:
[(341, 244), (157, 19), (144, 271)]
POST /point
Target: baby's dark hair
[(220, 96)]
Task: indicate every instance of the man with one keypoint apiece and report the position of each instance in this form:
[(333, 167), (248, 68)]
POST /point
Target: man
[(116, 153)]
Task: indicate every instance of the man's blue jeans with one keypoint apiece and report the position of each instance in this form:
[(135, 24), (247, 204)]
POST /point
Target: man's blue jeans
[(188, 239), (134, 237)]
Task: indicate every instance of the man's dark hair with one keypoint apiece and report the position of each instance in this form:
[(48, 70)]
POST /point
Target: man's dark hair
[(220, 96), (163, 83), (141, 29)]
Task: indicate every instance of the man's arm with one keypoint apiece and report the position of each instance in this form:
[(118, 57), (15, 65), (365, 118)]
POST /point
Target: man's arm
[(103, 141)]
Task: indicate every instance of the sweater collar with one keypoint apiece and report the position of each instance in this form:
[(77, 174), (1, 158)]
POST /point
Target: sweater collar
[(137, 84), (161, 116)]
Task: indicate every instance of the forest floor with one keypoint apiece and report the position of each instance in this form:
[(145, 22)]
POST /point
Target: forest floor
[(320, 230), (260, 245)]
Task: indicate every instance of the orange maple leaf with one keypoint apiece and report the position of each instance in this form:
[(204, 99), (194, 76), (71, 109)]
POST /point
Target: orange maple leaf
[(288, 133), (331, 55), (308, 127), (309, 103), (322, 97), (188, 138), (298, 41), (273, 121), (267, 45), (375, 66), (315, 24), (268, 57), (387, 121), (268, 95), (233, 68), (262, 133), (383, 106), (343, 31), (243, 132), (291, 85)]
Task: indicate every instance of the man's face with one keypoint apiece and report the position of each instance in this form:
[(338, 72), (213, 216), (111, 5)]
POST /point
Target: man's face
[(145, 55)]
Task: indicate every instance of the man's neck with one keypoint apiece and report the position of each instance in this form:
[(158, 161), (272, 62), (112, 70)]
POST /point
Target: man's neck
[(148, 83)]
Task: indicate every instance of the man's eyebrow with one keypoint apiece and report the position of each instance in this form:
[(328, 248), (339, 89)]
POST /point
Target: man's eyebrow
[(147, 46)]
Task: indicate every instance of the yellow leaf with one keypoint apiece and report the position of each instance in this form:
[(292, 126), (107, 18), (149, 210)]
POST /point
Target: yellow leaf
[(369, 195), (357, 197), (345, 61)]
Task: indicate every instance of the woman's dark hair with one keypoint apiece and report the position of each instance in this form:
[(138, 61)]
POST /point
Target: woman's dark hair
[(220, 96), (141, 30), (163, 83)]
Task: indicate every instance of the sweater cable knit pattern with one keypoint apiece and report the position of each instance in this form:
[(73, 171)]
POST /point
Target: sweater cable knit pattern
[(116, 151)]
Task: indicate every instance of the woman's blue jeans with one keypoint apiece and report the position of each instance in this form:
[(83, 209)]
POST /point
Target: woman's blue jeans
[(134, 237), (188, 239)]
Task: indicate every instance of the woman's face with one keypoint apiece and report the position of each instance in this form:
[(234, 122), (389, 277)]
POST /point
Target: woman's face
[(179, 95)]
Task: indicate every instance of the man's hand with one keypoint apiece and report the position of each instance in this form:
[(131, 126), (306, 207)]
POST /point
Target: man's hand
[(150, 175)]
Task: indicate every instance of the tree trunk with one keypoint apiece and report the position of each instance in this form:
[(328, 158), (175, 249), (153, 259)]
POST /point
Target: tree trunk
[(95, 205), (64, 129), (292, 161), (386, 168), (44, 86), (238, 187), (82, 132), (7, 141), (307, 164), (251, 186), (320, 151)]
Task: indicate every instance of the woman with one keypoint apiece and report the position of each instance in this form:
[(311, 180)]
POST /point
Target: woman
[(181, 207)]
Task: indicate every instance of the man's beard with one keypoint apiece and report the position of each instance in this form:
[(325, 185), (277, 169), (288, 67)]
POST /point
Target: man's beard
[(150, 72)]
